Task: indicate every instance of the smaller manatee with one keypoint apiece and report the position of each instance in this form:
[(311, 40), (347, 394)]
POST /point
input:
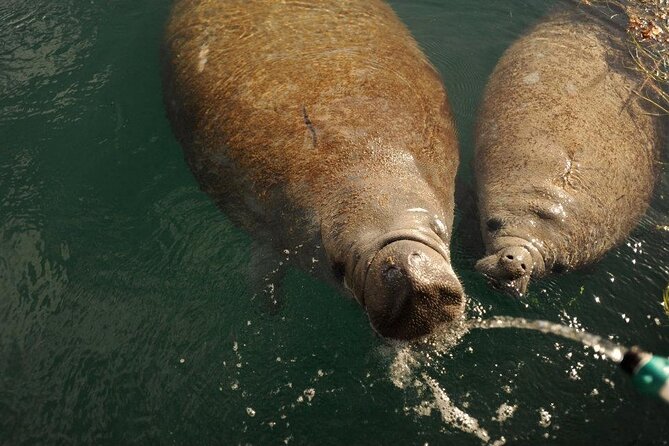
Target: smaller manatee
[(566, 150)]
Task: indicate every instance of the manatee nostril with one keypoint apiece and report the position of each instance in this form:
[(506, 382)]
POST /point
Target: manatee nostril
[(415, 258), (509, 256), (494, 224), (391, 272), (522, 265)]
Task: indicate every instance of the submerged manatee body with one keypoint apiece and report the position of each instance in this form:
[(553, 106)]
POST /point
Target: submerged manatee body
[(566, 150), (321, 127)]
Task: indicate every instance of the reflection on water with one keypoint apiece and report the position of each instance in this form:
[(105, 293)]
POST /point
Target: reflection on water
[(127, 315), (32, 280), (44, 45)]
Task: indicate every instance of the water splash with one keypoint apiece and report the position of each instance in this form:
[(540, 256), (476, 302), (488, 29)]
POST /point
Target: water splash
[(409, 358), (455, 416)]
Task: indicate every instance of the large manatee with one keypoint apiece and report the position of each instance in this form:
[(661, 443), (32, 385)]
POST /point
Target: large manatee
[(321, 127), (566, 149)]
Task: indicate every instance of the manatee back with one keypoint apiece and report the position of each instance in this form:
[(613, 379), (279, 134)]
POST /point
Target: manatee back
[(566, 150), (279, 104)]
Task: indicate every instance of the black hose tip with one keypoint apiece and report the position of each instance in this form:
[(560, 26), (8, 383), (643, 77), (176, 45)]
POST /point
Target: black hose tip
[(631, 360)]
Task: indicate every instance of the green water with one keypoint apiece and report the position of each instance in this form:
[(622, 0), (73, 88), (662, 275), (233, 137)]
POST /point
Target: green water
[(126, 310)]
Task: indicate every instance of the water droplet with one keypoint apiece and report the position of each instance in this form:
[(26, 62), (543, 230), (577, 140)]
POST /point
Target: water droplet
[(544, 418), (309, 393), (504, 412)]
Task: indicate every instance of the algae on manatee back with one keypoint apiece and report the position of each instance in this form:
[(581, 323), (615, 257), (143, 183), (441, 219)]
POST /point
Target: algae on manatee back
[(647, 24)]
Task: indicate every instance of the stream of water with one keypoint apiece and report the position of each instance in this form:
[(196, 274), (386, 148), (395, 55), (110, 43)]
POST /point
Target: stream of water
[(609, 349)]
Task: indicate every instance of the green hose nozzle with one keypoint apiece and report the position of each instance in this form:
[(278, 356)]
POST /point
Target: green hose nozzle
[(650, 373)]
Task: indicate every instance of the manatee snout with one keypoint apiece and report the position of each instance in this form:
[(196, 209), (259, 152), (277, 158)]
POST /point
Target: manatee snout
[(509, 268), (410, 289)]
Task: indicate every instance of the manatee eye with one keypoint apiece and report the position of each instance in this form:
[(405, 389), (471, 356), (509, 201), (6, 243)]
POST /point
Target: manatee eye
[(494, 224), (338, 271), (559, 268), (552, 212)]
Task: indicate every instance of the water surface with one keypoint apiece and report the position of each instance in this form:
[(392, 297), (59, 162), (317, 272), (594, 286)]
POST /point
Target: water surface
[(126, 309)]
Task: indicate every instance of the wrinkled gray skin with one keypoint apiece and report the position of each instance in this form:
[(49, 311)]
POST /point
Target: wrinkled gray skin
[(321, 127), (566, 152)]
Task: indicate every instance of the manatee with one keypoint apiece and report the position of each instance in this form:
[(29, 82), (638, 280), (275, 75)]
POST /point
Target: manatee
[(321, 128), (566, 150)]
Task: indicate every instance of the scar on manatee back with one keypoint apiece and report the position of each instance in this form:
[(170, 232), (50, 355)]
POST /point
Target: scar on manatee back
[(309, 125)]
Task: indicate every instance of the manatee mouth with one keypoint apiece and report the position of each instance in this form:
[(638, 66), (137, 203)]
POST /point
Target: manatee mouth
[(408, 286), (515, 288), (511, 267)]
